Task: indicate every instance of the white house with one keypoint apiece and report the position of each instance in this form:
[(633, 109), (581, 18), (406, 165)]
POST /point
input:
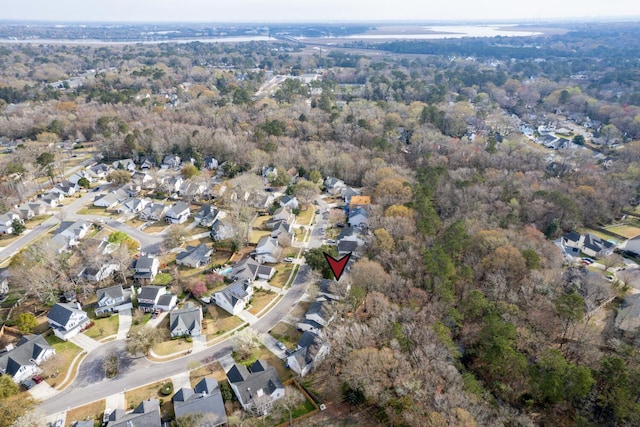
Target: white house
[(153, 212), (234, 297), (111, 299), (65, 189), (250, 385), (22, 361), (77, 176), (171, 162), (6, 222), (73, 230), (67, 320), (110, 200), (267, 250), (289, 202), (221, 230), (152, 298), (632, 245), (178, 213), (124, 164), (134, 205), (334, 185), (358, 217)]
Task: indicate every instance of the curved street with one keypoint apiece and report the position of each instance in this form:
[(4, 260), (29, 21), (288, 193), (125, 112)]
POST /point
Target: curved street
[(91, 385)]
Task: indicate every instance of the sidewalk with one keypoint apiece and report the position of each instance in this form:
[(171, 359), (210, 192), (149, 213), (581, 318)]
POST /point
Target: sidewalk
[(247, 317)]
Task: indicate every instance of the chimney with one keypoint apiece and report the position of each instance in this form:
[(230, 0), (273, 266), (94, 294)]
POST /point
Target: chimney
[(78, 306)]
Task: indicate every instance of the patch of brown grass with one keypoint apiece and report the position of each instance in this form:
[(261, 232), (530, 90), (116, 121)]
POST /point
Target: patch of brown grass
[(91, 411)]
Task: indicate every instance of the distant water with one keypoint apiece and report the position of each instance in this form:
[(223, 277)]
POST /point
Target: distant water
[(235, 39), (453, 32)]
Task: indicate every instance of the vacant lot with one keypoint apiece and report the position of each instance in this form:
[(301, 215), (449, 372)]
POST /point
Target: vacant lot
[(286, 333), (628, 231), (94, 210)]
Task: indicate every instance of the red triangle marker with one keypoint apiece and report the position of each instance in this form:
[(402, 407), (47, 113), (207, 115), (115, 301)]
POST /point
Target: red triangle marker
[(337, 265)]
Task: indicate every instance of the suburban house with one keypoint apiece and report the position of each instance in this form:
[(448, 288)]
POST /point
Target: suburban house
[(250, 385), (99, 170), (146, 414), (173, 184), (124, 164), (283, 214), (6, 222), (134, 205), (221, 230), (250, 269), (348, 193), (146, 268), (192, 190), (143, 179), (628, 317), (195, 256), (267, 250), (67, 320), (153, 212), (289, 202), (178, 213), (65, 189), (320, 312), (153, 298), (21, 362), (98, 274), (347, 247), (588, 244), (269, 172), (171, 161), (333, 185), (59, 243), (205, 399), (77, 176), (73, 230), (282, 228), (146, 162), (632, 245), (332, 289), (210, 163), (25, 211), (110, 200), (310, 351), (206, 215), (186, 321), (235, 297), (358, 201), (358, 217), (51, 199), (111, 299)]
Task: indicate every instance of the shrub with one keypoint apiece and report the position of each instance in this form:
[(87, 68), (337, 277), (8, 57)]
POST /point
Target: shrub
[(188, 338), (166, 389)]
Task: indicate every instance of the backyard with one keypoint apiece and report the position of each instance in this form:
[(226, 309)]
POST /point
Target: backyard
[(625, 230)]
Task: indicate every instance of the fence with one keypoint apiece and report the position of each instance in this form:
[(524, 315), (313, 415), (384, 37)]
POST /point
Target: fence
[(307, 396)]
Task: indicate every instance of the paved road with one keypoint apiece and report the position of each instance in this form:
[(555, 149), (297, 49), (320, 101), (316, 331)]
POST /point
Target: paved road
[(91, 384)]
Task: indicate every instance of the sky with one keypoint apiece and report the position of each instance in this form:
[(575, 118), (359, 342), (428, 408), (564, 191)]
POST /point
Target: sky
[(312, 11)]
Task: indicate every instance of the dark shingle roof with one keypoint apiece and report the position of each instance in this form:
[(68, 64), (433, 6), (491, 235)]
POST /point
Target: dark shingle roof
[(29, 347)]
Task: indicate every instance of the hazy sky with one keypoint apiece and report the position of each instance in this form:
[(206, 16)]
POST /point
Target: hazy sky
[(305, 10)]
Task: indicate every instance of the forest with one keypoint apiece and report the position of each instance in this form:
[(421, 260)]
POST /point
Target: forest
[(463, 311)]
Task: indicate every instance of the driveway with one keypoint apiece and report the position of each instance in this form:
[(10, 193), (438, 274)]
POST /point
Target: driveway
[(91, 384), (85, 343), (124, 323), (42, 391)]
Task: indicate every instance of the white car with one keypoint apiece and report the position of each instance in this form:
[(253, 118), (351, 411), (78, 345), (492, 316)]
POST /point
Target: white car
[(288, 259), (105, 417), (280, 345)]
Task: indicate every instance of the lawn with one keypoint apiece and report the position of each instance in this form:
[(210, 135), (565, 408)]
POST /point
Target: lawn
[(282, 275), (286, 333), (258, 223), (162, 279), (94, 210), (628, 231), (599, 234), (151, 391), (214, 370), (135, 222), (255, 235), (156, 227), (92, 411), (224, 323), (169, 346), (36, 221), (7, 239), (304, 217), (260, 300), (220, 257), (103, 327), (65, 353), (265, 354)]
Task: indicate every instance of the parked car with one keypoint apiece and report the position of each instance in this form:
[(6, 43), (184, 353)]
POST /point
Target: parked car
[(37, 378), (288, 259), (588, 260), (331, 242), (28, 384), (280, 345), (105, 417)]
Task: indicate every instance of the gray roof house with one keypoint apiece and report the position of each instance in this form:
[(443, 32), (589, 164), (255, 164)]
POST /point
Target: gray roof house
[(147, 414), (628, 318), (124, 164), (204, 399), (289, 201), (195, 256), (171, 161), (186, 321), (333, 185), (310, 351), (283, 213), (280, 228), (235, 297), (153, 212), (73, 230), (206, 215), (67, 320), (321, 312), (250, 269), (134, 205), (267, 250), (22, 361), (146, 268), (178, 213), (98, 274), (221, 230), (110, 200), (151, 298), (111, 299), (261, 379)]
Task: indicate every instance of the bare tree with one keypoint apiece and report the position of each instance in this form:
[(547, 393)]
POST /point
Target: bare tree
[(245, 343), (110, 364), (292, 398)]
